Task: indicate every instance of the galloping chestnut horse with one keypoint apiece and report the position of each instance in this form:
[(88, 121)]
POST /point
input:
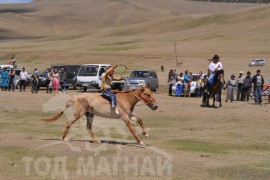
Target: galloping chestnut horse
[(94, 104)]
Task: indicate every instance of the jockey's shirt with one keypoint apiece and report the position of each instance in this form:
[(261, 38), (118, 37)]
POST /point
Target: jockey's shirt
[(213, 66)]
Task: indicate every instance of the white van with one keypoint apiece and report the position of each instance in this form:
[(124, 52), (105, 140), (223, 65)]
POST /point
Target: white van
[(89, 76), (257, 62)]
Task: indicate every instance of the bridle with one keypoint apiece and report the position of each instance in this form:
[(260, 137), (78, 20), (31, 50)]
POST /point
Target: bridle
[(140, 97)]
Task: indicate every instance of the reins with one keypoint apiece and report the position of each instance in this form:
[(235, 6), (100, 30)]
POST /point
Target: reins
[(140, 98)]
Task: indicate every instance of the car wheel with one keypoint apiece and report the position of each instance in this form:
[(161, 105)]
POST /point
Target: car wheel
[(156, 90), (67, 87), (74, 87), (84, 89)]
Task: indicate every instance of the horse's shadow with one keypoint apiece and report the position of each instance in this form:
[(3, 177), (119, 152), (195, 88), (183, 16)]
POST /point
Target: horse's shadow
[(114, 142)]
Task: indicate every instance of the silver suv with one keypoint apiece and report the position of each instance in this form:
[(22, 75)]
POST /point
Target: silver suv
[(138, 78), (257, 62)]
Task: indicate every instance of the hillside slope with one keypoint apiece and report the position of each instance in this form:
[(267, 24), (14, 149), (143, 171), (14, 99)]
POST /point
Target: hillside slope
[(51, 17)]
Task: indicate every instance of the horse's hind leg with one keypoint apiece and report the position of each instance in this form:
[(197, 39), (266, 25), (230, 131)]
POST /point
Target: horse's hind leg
[(77, 116), (90, 118), (140, 122)]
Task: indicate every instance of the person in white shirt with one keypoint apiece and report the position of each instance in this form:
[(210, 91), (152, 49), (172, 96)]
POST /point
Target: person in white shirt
[(216, 70), (23, 79)]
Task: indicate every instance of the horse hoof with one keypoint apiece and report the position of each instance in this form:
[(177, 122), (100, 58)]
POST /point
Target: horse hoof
[(146, 135), (65, 139), (142, 144), (97, 141)]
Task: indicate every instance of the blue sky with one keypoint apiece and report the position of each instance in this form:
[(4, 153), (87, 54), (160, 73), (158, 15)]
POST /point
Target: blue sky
[(14, 1)]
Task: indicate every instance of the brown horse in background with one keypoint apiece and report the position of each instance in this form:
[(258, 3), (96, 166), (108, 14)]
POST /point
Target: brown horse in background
[(213, 91), (94, 104)]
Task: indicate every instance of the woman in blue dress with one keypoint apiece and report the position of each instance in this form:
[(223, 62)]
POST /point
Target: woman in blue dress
[(4, 79)]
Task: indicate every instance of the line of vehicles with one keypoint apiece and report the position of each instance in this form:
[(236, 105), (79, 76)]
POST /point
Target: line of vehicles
[(88, 76)]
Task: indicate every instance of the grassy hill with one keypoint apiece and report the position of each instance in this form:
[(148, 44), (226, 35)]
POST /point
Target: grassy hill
[(138, 33)]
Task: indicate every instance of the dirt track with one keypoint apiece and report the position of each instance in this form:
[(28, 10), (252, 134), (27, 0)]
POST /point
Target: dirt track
[(203, 142)]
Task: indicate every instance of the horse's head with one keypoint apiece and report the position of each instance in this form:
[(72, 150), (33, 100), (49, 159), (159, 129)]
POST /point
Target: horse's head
[(147, 96)]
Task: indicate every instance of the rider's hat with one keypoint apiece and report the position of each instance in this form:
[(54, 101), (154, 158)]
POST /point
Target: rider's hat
[(241, 72), (216, 56)]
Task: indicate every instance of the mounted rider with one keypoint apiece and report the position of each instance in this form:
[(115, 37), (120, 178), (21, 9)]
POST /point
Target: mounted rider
[(107, 78), (216, 70)]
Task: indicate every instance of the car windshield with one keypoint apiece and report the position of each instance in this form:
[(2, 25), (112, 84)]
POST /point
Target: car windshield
[(88, 70), (139, 74), (195, 77)]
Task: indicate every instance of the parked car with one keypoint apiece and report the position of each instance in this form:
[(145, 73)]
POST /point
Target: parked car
[(142, 77), (71, 70), (89, 76), (194, 85), (257, 62)]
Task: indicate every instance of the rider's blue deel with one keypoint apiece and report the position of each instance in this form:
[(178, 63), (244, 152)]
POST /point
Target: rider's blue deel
[(211, 78)]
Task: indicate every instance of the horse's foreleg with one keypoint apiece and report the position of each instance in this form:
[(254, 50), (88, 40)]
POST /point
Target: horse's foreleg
[(214, 99), (126, 119), (90, 118), (140, 122)]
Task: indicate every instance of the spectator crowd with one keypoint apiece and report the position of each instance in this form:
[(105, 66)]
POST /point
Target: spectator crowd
[(239, 88), (55, 80)]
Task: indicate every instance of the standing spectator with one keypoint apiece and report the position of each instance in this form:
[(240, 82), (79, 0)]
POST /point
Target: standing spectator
[(11, 84), (240, 83), (179, 86), (35, 71), (49, 80), (257, 84), (186, 84), (13, 61), (55, 81), (200, 85), (231, 88), (63, 77), (201, 75), (4, 78), (247, 87), (23, 79), (34, 83), (190, 78), (171, 80), (162, 68)]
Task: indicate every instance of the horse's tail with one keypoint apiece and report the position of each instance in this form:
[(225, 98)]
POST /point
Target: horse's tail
[(69, 103)]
